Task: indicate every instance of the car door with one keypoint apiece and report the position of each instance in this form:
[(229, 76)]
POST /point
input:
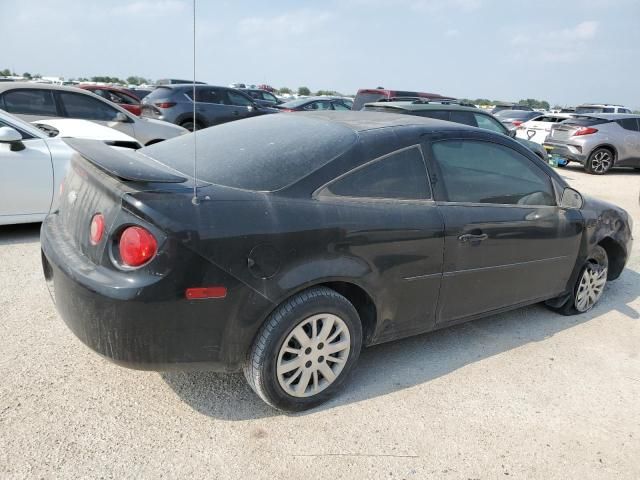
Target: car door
[(26, 179), (388, 220), (86, 106), (629, 147), (30, 104), (242, 105), (506, 240)]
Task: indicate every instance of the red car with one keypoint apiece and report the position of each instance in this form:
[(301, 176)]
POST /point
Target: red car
[(368, 95), (120, 96)]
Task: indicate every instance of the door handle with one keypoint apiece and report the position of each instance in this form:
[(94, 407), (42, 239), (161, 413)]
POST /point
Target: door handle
[(470, 237)]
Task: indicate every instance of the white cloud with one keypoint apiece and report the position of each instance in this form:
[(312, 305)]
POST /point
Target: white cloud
[(556, 46), (283, 26), (153, 8)]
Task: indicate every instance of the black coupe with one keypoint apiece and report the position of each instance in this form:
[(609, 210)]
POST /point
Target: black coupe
[(313, 235)]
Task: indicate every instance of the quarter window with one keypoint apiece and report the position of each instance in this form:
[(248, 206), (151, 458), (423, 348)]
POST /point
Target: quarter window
[(629, 124), (484, 172), (30, 102), (488, 123), (401, 175), (87, 107)]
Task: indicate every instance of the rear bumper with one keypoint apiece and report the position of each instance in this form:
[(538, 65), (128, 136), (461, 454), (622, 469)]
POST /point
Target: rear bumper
[(570, 152), (150, 325)]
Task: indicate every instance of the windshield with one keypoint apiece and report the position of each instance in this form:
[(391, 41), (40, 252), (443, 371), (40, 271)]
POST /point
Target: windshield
[(281, 150)]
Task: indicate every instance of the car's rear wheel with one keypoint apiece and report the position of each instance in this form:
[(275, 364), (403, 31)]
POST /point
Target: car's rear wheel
[(189, 125), (600, 161), (305, 350), (590, 284)]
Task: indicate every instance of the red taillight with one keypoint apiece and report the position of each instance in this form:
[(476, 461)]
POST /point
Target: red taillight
[(137, 246), (205, 292), (585, 131), (165, 104), (517, 123), (97, 229), (287, 110)]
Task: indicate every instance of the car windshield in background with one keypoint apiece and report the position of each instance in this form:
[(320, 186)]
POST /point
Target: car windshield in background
[(294, 103), (595, 110), (515, 114), (265, 160)]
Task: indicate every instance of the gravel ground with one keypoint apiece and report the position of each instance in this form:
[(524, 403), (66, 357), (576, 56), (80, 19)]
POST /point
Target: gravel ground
[(526, 394)]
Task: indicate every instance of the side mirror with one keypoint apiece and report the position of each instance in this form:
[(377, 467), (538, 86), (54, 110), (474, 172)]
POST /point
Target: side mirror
[(121, 117), (12, 137), (512, 133), (571, 199)]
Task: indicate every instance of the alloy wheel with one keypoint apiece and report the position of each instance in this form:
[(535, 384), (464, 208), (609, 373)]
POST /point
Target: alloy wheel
[(590, 287), (601, 161), (313, 355)]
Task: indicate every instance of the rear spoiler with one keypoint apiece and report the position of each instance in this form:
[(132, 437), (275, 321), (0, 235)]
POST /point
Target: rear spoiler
[(122, 164)]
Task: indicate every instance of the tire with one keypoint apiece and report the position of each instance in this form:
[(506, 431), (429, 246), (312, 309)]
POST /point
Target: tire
[(590, 284), (286, 352), (600, 161), (189, 125)]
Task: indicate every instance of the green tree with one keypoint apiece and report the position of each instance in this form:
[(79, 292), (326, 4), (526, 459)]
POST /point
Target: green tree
[(5, 73), (327, 92), (304, 91), (27, 75), (284, 90)]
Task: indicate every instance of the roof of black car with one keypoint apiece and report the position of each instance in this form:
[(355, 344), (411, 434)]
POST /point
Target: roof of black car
[(359, 121)]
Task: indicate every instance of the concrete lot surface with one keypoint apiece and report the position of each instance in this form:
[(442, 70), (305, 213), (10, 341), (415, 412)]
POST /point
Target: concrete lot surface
[(526, 394)]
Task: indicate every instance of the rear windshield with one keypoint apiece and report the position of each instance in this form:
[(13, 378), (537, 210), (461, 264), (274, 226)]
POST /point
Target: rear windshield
[(585, 121), (159, 92), (264, 153)]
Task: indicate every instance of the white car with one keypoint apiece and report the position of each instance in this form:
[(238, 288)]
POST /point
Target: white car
[(537, 129), (32, 102), (69, 127), (33, 163)]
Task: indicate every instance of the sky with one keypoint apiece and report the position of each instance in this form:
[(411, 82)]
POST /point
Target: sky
[(563, 51)]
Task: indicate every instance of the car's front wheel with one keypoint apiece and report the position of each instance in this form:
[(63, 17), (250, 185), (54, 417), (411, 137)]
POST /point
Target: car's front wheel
[(600, 161), (305, 350), (590, 284)]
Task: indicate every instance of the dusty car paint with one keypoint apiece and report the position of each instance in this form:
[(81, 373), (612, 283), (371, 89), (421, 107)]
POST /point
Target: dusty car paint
[(400, 262)]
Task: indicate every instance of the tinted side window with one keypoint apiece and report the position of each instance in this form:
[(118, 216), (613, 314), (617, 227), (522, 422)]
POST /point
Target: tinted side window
[(206, 95), (484, 172), (238, 99), (30, 102), (488, 123), (629, 124), (437, 114), (401, 175), (466, 118), (82, 106), (340, 106), (321, 105)]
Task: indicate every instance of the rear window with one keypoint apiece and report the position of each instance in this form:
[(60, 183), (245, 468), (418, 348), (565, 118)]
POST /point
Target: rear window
[(585, 121), (159, 92), (30, 102), (264, 153)]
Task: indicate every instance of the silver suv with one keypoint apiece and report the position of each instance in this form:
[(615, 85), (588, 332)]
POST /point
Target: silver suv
[(597, 141)]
